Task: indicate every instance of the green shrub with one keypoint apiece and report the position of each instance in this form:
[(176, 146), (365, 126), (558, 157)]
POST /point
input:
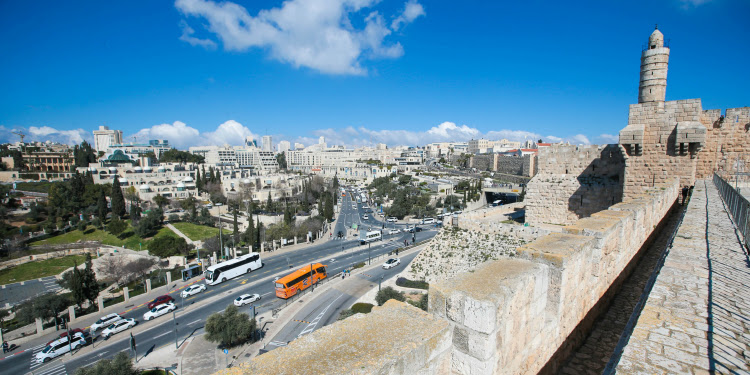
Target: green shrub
[(362, 308), (406, 283), (389, 293), (358, 265)]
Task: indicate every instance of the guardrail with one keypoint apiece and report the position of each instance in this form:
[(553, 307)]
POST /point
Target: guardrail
[(738, 206)]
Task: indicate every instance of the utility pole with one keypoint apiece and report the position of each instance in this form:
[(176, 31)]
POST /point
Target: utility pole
[(174, 320), (312, 288)]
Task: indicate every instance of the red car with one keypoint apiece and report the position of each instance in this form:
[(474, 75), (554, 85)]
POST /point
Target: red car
[(159, 301)]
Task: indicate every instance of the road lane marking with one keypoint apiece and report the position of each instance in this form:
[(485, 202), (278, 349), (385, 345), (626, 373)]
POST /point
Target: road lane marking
[(163, 334), (193, 322), (311, 327)]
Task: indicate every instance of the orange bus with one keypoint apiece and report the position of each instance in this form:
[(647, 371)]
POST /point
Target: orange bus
[(300, 279)]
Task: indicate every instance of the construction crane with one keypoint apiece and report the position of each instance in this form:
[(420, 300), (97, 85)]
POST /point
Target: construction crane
[(20, 134)]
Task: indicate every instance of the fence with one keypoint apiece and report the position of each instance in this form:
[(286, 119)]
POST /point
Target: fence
[(738, 206)]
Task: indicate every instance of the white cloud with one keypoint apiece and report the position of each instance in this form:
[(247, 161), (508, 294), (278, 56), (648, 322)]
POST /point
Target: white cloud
[(687, 4), (316, 34), (46, 133), (182, 136), (412, 10), (187, 36), (608, 139)]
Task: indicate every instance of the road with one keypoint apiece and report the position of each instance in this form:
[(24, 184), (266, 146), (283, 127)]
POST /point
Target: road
[(13, 294), (325, 308), (193, 311)]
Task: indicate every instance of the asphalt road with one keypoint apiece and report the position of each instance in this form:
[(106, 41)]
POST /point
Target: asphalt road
[(13, 294), (193, 311), (325, 308)]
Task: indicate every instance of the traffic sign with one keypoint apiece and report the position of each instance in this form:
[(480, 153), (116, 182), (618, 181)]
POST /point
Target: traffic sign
[(226, 351)]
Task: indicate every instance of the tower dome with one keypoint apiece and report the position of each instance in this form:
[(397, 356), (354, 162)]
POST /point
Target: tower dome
[(656, 40)]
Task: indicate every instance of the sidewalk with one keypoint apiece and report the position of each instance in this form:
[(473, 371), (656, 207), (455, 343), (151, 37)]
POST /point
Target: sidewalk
[(697, 316)]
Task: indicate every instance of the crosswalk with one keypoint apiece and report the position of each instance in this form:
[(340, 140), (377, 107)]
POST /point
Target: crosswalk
[(56, 369), (50, 284)]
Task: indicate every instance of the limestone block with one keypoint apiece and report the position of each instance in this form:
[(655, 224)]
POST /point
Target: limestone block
[(362, 344)]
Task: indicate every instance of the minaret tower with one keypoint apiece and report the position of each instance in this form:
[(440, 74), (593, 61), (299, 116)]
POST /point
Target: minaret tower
[(654, 63)]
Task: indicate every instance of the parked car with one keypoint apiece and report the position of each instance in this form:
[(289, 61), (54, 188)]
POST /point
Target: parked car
[(105, 321), (118, 326), (390, 263), (160, 300), (428, 220), (193, 289), (246, 298), (59, 347), (392, 219), (159, 311), (73, 331), (394, 231)]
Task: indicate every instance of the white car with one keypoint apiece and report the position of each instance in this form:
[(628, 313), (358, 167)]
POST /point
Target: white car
[(59, 347), (118, 326), (105, 321), (245, 299), (192, 290), (365, 217), (394, 231), (391, 219), (390, 263), (159, 311)]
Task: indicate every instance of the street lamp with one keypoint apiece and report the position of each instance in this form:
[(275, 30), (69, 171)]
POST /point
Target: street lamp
[(379, 282)]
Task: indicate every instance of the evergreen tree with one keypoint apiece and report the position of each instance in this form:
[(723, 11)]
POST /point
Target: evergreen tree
[(135, 212), (235, 227), (211, 177), (198, 181), (335, 183), (259, 229), (76, 286), (249, 236), (101, 207), (91, 287), (118, 201), (269, 204), (328, 210)]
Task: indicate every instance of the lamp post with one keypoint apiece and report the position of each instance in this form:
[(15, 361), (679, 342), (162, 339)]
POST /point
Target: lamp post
[(379, 282), (174, 320)]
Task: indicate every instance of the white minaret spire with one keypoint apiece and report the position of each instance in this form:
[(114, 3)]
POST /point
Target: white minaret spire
[(654, 63)]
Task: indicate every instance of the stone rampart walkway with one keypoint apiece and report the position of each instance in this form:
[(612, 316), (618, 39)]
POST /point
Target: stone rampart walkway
[(697, 317)]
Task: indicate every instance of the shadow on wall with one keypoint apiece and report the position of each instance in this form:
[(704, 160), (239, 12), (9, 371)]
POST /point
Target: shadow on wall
[(601, 183)]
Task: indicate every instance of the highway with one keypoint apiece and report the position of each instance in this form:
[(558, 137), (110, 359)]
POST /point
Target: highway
[(192, 312)]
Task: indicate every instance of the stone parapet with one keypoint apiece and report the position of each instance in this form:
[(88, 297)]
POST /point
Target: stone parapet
[(396, 338)]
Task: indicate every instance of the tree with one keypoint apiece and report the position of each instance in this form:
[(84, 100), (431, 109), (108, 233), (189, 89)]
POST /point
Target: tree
[(73, 281), (177, 156), (230, 328), (116, 226), (235, 227), (139, 268), (161, 201), (118, 201), (149, 224), (83, 155), (91, 287), (166, 246), (269, 204), (4, 314), (112, 268), (249, 236), (45, 307), (335, 183), (281, 159), (119, 365), (328, 207), (388, 293), (101, 206)]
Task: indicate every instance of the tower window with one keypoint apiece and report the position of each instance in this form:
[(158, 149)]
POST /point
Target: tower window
[(653, 46)]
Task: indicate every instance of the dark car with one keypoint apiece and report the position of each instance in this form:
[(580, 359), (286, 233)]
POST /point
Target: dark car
[(159, 301)]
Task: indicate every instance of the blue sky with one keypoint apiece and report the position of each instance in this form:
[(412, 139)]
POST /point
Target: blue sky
[(356, 71)]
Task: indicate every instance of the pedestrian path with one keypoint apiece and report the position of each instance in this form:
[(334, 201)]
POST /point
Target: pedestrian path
[(697, 317), (58, 369), (177, 231), (32, 361)]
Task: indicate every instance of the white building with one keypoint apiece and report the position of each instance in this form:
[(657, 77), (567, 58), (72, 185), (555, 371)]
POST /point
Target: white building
[(243, 157), (104, 137), (298, 146), (283, 146), (267, 142), (171, 180)]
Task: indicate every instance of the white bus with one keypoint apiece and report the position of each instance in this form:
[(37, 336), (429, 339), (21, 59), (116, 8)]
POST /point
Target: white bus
[(370, 237), (221, 272)]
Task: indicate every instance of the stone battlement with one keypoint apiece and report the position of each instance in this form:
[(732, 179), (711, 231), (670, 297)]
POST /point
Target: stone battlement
[(513, 315)]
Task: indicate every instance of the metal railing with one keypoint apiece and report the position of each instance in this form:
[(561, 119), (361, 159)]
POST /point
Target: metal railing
[(738, 206)]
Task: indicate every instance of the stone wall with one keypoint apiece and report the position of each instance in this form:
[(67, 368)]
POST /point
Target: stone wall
[(512, 165), (516, 315), (574, 182), (509, 165), (727, 142), (521, 316)]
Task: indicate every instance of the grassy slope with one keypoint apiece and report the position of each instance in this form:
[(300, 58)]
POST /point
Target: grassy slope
[(128, 238), (196, 232), (43, 268)]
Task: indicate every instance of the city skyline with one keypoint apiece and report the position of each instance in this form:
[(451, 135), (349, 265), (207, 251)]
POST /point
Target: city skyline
[(414, 72)]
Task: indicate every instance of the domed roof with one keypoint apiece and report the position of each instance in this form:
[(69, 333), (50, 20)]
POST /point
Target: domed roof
[(161, 169), (138, 169), (180, 185), (145, 187), (123, 179), (246, 181), (188, 179), (656, 40), (147, 169)]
